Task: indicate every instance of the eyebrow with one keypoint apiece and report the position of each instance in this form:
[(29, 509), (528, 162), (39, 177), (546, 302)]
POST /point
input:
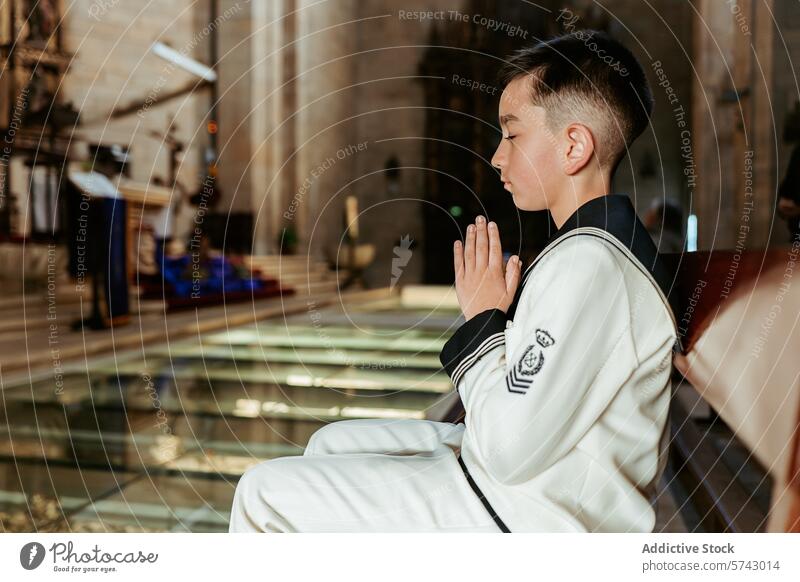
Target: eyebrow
[(508, 117)]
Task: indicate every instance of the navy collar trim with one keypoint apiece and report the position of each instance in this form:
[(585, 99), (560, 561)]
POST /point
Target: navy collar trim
[(615, 214)]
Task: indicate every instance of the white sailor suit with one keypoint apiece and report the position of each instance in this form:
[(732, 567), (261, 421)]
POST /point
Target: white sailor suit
[(566, 398)]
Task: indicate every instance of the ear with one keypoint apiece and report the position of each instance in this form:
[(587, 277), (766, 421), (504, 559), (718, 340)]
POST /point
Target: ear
[(579, 148)]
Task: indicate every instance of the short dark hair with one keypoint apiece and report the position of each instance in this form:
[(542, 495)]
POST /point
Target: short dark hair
[(587, 76)]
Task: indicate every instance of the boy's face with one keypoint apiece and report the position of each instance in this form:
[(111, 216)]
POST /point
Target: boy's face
[(527, 156)]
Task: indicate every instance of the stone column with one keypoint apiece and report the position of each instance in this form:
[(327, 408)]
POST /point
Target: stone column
[(712, 130), (326, 69), (235, 106)]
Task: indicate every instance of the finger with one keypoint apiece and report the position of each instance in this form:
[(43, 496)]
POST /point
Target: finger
[(495, 248), (458, 258), (513, 274), (481, 243), (469, 248)]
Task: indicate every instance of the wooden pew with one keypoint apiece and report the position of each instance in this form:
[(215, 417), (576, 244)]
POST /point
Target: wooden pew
[(793, 514), (739, 316)]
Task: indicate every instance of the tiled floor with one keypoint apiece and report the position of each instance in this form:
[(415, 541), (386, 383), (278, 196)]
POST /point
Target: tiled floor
[(156, 439), (157, 442)]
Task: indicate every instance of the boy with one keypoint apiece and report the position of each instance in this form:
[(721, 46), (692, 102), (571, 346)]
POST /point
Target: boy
[(563, 370)]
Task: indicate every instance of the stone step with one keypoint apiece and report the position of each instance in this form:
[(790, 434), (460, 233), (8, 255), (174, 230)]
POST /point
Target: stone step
[(360, 359), (314, 287), (413, 342), (39, 315), (320, 377)]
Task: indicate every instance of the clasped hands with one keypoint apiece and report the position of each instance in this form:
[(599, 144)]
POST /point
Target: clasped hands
[(481, 281)]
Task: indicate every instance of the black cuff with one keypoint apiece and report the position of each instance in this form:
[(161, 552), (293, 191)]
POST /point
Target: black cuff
[(471, 341)]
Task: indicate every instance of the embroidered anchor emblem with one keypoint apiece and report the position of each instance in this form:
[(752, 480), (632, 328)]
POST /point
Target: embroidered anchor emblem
[(520, 377)]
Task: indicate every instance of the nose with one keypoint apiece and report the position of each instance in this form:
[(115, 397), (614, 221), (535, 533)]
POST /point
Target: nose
[(499, 157)]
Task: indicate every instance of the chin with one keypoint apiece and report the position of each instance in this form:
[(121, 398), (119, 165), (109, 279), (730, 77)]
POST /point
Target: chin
[(526, 203)]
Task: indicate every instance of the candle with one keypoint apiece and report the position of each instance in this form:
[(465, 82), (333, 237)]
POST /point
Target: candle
[(352, 216)]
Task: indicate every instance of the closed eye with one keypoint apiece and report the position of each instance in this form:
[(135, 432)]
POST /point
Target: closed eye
[(510, 137)]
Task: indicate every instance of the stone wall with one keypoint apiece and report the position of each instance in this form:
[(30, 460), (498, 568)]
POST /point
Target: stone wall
[(316, 99), (113, 67)]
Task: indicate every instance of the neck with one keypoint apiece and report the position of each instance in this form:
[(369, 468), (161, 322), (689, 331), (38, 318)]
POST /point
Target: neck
[(576, 192)]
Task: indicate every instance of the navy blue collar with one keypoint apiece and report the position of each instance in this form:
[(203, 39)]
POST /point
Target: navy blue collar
[(614, 213)]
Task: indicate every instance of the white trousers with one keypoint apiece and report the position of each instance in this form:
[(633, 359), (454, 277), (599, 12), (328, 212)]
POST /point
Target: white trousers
[(364, 476)]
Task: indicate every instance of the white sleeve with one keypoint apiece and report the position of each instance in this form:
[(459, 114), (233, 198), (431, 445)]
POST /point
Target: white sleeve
[(533, 390)]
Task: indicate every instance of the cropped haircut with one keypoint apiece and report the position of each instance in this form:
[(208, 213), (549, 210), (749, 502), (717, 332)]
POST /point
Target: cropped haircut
[(587, 77)]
